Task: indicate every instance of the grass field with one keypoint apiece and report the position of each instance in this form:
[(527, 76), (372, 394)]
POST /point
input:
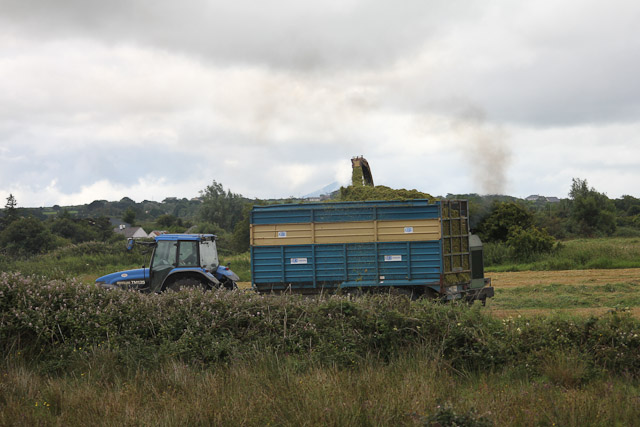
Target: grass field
[(577, 292), (578, 254)]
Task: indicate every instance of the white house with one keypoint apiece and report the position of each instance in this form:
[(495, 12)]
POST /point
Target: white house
[(131, 232)]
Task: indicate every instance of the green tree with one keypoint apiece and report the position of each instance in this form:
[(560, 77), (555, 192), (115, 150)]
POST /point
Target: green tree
[(26, 236), (528, 242), (220, 207), (504, 216), (168, 220), (76, 231), (129, 216), (102, 227), (627, 205), (592, 213), (10, 211), (242, 232)]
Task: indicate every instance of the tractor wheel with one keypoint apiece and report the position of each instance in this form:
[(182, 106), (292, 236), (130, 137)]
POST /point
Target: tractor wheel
[(186, 283), (229, 284)]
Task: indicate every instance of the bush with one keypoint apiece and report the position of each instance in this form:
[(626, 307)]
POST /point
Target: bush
[(55, 323), (526, 243), (26, 236), (504, 217)]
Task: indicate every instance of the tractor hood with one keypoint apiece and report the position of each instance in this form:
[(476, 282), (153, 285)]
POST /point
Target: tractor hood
[(124, 279)]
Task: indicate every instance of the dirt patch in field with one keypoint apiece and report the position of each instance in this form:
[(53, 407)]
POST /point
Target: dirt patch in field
[(244, 285), (564, 277)]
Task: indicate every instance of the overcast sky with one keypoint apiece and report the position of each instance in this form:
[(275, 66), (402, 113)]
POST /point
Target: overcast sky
[(152, 98)]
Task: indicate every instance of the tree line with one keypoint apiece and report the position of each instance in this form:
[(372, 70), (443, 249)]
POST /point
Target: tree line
[(527, 228), (217, 211), (530, 228)]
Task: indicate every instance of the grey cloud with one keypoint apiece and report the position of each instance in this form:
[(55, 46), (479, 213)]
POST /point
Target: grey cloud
[(574, 68), (282, 33), (90, 88)]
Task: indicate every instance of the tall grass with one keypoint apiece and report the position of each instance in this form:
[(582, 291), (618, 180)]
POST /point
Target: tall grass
[(408, 390), (87, 260), (91, 260), (569, 255), (239, 264)]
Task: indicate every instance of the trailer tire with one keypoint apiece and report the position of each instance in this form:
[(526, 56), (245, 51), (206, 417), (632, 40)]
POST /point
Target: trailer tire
[(407, 292)]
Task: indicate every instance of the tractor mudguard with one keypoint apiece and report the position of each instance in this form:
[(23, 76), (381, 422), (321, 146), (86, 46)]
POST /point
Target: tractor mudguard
[(226, 272)]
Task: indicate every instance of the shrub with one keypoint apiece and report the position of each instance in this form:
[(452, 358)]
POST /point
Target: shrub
[(504, 217), (528, 242), (26, 236), (55, 323)]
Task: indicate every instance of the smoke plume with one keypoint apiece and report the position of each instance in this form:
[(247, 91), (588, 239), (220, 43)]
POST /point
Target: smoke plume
[(485, 149)]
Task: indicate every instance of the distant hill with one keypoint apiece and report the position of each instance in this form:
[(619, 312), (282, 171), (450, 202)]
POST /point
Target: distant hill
[(327, 189)]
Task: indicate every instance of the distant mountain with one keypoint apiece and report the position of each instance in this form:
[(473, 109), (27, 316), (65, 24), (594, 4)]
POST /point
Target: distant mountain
[(328, 189)]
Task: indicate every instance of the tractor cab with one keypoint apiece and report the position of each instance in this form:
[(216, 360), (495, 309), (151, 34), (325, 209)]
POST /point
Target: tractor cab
[(178, 261)]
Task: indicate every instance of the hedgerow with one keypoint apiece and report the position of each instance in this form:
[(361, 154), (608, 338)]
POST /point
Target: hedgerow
[(56, 322)]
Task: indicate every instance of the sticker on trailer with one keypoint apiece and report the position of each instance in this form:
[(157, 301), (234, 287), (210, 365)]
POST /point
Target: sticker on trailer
[(393, 257), (282, 234), (408, 229), (298, 260)]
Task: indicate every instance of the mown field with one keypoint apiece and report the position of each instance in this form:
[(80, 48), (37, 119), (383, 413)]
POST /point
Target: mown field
[(553, 347)]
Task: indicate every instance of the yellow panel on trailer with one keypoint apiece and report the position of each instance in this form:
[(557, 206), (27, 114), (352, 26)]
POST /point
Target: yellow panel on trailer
[(411, 230), (346, 232)]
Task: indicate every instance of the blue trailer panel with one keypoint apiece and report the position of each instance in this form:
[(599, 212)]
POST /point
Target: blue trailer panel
[(416, 244)]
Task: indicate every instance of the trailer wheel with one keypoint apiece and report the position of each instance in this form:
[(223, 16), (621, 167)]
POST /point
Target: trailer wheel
[(405, 292), (430, 294), (186, 283)]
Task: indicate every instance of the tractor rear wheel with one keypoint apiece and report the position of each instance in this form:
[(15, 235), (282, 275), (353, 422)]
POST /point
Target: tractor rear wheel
[(186, 283)]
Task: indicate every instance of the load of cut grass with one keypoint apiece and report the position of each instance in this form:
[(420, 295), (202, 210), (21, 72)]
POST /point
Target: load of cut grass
[(379, 192)]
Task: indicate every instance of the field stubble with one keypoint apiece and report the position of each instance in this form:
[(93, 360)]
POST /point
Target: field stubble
[(573, 292)]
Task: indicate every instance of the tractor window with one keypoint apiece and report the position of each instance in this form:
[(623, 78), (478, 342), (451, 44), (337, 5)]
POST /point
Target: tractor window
[(209, 255), (188, 254), (164, 254)]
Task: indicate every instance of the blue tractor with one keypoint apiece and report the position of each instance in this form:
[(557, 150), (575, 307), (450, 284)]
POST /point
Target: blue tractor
[(178, 261)]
